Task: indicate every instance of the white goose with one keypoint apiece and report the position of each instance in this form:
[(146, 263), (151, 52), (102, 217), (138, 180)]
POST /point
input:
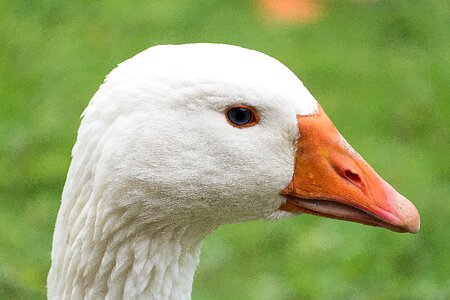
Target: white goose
[(183, 138)]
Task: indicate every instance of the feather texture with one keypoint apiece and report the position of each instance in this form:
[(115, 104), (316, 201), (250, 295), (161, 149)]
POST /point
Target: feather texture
[(156, 167)]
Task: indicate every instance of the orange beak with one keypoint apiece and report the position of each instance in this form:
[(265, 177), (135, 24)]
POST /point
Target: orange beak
[(332, 180)]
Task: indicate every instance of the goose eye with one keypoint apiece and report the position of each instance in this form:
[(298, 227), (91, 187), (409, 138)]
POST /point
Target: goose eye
[(242, 116)]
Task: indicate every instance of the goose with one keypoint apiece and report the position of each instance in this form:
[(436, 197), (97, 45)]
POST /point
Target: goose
[(180, 139)]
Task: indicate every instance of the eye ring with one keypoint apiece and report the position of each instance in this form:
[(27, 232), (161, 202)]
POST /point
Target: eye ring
[(241, 116)]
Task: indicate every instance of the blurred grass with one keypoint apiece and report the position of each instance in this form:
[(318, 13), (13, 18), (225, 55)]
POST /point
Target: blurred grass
[(381, 70)]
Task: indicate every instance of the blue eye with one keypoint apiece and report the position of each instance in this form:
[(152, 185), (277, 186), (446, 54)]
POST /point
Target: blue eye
[(242, 116)]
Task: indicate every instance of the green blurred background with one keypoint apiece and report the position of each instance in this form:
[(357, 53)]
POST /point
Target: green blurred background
[(380, 69)]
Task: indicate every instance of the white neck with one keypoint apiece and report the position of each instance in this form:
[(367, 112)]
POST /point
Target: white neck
[(101, 250), (147, 263)]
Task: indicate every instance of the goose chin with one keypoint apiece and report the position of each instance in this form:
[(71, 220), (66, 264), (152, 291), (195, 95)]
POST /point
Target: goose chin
[(340, 211)]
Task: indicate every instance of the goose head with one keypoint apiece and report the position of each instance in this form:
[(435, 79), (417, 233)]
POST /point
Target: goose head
[(218, 134), (181, 139)]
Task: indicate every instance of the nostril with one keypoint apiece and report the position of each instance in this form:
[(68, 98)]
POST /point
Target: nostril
[(353, 177), (345, 172)]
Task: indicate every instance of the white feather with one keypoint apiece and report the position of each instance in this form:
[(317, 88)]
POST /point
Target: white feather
[(156, 167)]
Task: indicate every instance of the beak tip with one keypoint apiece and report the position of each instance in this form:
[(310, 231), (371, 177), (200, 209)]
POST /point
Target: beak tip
[(408, 213), (412, 221)]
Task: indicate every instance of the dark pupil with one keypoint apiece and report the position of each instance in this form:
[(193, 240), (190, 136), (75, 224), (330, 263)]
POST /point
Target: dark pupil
[(240, 116)]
